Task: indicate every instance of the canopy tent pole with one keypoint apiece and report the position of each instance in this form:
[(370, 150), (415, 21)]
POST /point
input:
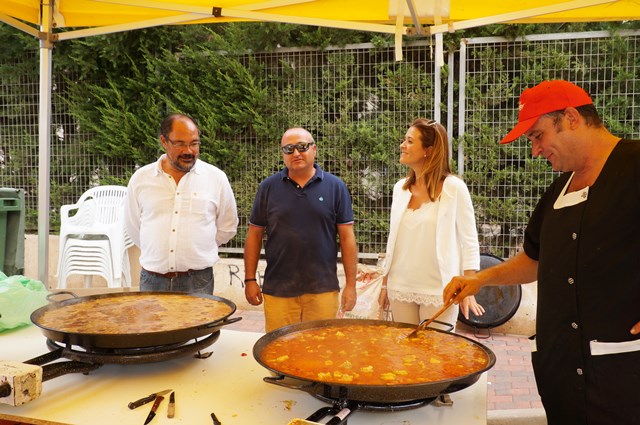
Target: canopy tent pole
[(19, 25), (44, 138), (462, 103), (450, 109)]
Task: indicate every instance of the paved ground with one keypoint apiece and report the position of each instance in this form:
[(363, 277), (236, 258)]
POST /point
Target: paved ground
[(511, 384)]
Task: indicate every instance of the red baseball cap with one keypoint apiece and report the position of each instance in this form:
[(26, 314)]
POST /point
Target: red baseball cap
[(548, 96)]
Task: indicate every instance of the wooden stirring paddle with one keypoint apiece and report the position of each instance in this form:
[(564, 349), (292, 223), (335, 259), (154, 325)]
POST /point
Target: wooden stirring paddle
[(426, 323)]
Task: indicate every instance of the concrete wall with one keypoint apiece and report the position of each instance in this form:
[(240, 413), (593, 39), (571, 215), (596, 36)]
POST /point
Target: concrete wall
[(75, 281), (229, 275)]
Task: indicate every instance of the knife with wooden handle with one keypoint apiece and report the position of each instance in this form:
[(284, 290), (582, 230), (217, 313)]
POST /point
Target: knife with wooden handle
[(215, 419), (147, 399), (154, 409)]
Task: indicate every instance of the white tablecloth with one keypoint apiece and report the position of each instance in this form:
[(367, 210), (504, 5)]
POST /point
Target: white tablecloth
[(228, 383)]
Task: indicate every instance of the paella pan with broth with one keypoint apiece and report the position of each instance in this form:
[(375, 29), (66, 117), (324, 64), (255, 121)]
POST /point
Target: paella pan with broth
[(374, 359), (133, 319)]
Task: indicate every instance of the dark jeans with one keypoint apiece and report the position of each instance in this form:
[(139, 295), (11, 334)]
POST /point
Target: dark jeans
[(199, 281)]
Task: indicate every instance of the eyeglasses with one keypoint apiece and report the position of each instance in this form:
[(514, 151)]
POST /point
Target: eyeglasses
[(300, 147), (182, 145)]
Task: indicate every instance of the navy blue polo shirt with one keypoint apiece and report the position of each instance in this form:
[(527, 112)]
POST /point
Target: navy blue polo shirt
[(301, 227)]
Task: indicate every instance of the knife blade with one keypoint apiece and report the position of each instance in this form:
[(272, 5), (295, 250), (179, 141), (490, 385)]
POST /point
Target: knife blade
[(154, 408), (147, 399), (171, 410)]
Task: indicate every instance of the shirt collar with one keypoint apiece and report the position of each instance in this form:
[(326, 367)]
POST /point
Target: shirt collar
[(197, 167), (284, 173)]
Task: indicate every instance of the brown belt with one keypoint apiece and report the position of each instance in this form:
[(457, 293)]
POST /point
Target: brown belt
[(172, 275)]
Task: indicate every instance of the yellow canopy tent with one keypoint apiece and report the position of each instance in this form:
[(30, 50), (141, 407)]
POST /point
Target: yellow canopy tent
[(45, 19), (385, 16)]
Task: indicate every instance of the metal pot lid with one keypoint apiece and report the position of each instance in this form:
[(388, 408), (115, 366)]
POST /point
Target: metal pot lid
[(500, 302)]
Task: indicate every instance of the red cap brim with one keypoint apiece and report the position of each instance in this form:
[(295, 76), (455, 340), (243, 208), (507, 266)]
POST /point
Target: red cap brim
[(519, 130)]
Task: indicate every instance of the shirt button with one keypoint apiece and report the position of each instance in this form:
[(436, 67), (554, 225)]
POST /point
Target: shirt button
[(579, 371), (570, 280), (175, 212), (170, 268), (574, 236), (574, 325), (173, 230)]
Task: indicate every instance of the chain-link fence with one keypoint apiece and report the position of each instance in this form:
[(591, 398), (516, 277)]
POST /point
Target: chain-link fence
[(357, 101), (505, 181)]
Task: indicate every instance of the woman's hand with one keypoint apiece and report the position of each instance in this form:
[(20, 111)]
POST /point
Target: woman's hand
[(383, 299), (469, 303)]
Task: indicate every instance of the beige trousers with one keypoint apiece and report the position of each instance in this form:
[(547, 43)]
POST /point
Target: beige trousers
[(281, 311)]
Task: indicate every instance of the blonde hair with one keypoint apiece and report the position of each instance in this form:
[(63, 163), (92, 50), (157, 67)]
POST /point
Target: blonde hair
[(436, 166)]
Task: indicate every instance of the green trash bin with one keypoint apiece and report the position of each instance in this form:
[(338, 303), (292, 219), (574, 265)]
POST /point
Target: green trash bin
[(11, 231)]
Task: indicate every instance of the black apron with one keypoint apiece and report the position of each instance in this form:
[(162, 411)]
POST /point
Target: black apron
[(589, 289)]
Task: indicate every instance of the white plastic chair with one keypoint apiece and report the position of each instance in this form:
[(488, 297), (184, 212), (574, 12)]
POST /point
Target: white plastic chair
[(98, 215), (88, 257)]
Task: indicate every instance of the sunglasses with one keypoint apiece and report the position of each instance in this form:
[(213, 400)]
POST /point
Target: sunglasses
[(300, 147)]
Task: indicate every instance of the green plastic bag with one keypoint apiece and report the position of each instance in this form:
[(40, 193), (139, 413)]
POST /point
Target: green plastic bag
[(19, 297)]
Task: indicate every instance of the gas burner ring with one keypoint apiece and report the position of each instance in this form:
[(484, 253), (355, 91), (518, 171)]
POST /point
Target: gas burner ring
[(132, 355), (341, 409), (378, 406)]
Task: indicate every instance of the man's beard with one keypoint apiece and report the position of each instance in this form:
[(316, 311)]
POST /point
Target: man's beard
[(181, 167)]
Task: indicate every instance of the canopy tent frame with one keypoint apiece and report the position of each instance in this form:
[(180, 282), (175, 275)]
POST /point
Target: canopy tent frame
[(403, 20)]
